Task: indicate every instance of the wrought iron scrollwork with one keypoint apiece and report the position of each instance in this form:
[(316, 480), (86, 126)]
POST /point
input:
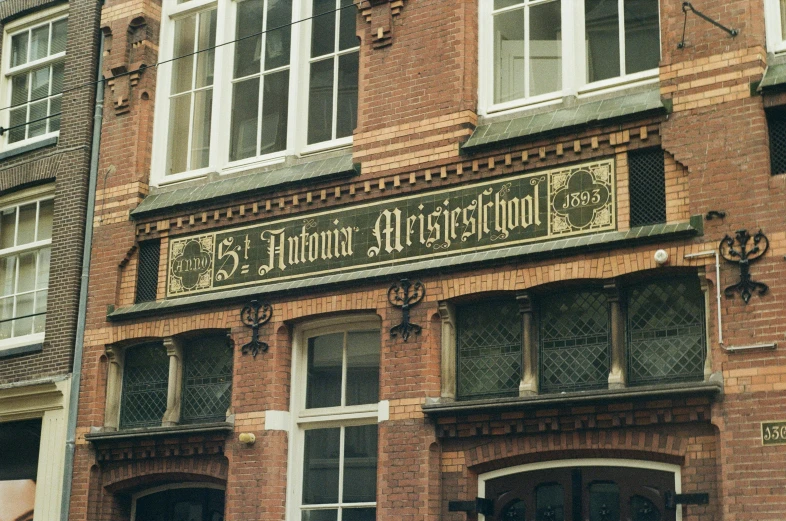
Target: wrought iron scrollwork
[(404, 295), (255, 315), (744, 256)]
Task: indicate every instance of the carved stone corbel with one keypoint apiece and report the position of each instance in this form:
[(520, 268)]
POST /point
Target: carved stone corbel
[(174, 349), (447, 312)]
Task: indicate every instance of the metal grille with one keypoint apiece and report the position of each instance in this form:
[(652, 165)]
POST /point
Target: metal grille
[(574, 341), (647, 187), (489, 350), (147, 274), (145, 375), (776, 123), (666, 332), (207, 380)]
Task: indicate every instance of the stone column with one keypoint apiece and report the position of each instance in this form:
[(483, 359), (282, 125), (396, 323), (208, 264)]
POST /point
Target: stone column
[(707, 332), (174, 349), (114, 384), (529, 351), (617, 372), (447, 313)]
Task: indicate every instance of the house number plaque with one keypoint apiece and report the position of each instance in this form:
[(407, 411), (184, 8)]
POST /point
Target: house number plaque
[(538, 206), (773, 433)]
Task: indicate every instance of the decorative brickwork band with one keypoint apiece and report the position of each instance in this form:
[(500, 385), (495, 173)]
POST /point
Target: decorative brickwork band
[(381, 14), (255, 315), (400, 296), (742, 256)]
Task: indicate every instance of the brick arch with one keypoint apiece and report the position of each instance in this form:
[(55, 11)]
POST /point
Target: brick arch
[(159, 328), (506, 452), (138, 475)]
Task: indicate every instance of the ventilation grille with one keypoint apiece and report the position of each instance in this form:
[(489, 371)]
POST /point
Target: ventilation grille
[(776, 123), (147, 275), (647, 187)]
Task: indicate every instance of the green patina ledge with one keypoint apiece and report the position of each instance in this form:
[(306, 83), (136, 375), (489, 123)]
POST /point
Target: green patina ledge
[(580, 113), (235, 187), (554, 248), (774, 76)]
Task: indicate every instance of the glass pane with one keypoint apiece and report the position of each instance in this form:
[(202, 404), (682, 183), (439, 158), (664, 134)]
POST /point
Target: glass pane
[(323, 27), (499, 4), (207, 379), (783, 19), (24, 308), (362, 367), (39, 321), (27, 272), (42, 276), (509, 62), (516, 511), (37, 112), (18, 130), (59, 36), (57, 77), (550, 503), (182, 70), (245, 110), (248, 52), (320, 466), (545, 48), (360, 464), (642, 35), (8, 228), (603, 39), (19, 88), (45, 212), (643, 509), (39, 42), (6, 312), (274, 112), (347, 37), (200, 142), (27, 217), (277, 41), (320, 102), (8, 275), (604, 502), (323, 385), (39, 83), (179, 112), (54, 108), (347, 110), (359, 514), (19, 49), (207, 39), (320, 515)]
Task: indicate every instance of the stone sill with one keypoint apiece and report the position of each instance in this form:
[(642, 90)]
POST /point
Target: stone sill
[(435, 407), (157, 432), (520, 253)]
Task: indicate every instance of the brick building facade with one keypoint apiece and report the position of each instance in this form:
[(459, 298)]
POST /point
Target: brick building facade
[(515, 280), (45, 148)]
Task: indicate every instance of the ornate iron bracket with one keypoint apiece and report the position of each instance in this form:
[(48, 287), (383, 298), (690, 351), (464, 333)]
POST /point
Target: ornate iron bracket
[(744, 257), (255, 315), (400, 296), (687, 6)]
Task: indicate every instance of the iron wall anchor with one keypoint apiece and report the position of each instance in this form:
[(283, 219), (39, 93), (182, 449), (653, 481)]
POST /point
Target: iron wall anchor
[(255, 315), (404, 295), (743, 257)]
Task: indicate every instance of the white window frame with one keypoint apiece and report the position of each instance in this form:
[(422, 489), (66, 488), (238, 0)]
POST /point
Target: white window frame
[(588, 462), (220, 131), (303, 419), (43, 17), (174, 486), (574, 70), (32, 195), (772, 20)]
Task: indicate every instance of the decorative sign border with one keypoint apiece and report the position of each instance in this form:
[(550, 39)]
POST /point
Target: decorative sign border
[(773, 433), (552, 204)]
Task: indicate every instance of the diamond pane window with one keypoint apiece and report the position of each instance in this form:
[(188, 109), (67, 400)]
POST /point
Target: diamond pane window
[(207, 379), (574, 341), (489, 350), (145, 377), (666, 332)]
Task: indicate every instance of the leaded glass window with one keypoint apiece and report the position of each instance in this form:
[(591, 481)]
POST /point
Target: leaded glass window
[(145, 377), (489, 349), (207, 379), (666, 331), (574, 341)]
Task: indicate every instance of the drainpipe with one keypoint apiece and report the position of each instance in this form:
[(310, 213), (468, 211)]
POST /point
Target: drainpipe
[(98, 117)]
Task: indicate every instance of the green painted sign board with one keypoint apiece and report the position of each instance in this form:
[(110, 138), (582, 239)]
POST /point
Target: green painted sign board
[(563, 202)]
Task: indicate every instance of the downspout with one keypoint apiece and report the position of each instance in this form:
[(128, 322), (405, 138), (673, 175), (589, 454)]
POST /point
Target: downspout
[(73, 402)]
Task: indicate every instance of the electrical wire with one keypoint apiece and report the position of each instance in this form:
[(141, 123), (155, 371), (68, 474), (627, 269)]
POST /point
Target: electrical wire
[(155, 65)]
